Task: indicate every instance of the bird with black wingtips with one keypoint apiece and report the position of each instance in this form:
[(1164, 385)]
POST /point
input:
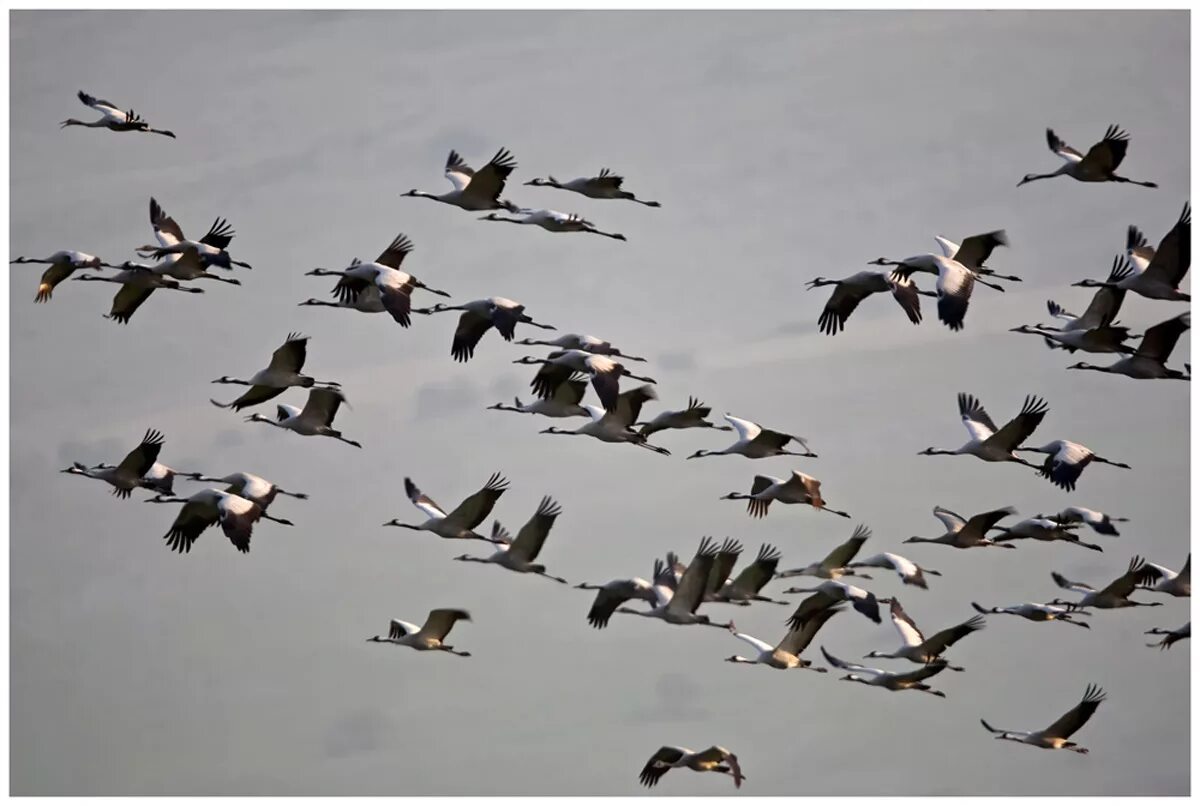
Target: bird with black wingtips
[(1055, 737), (1098, 165)]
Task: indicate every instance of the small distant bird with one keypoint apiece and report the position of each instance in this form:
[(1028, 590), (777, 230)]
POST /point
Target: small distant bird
[(428, 636), (1097, 520), (519, 555), (62, 265), (786, 654), (756, 442), (235, 514), (691, 417), (834, 564), (578, 341), (1098, 165), (282, 373), (910, 573), (1066, 461), (475, 190), (1171, 635), (1149, 362), (130, 473), (919, 649), (564, 402), (1161, 579), (714, 759), (561, 365), (966, 533), (554, 221), (394, 286), (992, 444), (1115, 594), (831, 593), (892, 681), (460, 523), (114, 119), (1035, 611), (137, 284), (1055, 737), (1044, 529), (798, 488), (478, 317), (314, 420), (605, 185), (851, 291), (212, 248)]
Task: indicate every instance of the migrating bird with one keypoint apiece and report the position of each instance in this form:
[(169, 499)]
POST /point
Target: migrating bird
[(235, 514), (283, 372), (714, 759), (966, 533), (1099, 521), (1044, 529), (892, 681), (519, 555), (62, 265), (1065, 462), (798, 488), (1055, 737), (680, 608), (393, 286), (1035, 611), (605, 185), (137, 284), (1098, 165), (131, 472), (561, 365), (460, 523), (249, 486), (910, 573), (1102, 310), (691, 417), (1172, 636), (992, 444), (114, 119), (919, 649), (367, 301), (831, 593), (478, 317), (1107, 339), (746, 586), (756, 442), (315, 420), (564, 402), (1164, 272), (850, 291), (430, 635), (212, 248), (834, 564), (612, 595), (554, 221), (955, 282), (1160, 270), (786, 654), (1115, 594), (1160, 579), (578, 341), (475, 190), (975, 250), (609, 426), (1149, 362)]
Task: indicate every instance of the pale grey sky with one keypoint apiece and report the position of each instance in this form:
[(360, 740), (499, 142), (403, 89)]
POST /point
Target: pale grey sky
[(783, 146)]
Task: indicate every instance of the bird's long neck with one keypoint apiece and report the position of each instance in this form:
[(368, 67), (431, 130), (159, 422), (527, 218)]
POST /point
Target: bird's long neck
[(740, 659)]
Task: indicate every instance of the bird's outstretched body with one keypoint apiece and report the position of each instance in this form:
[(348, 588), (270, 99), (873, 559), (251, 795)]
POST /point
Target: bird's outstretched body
[(429, 636), (554, 221), (475, 190), (1055, 737), (1098, 165), (714, 759), (114, 119), (461, 522), (989, 443), (605, 185)]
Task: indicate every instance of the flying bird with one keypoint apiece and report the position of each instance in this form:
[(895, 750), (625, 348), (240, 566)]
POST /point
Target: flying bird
[(212, 248), (1099, 521), (130, 473), (1098, 165), (578, 341), (564, 402), (430, 635), (1035, 611), (235, 514), (833, 566), (1066, 461), (1115, 594), (114, 119), (786, 654), (554, 221), (314, 420), (798, 488), (955, 283), (910, 573), (966, 533), (1171, 636), (831, 593), (478, 317), (756, 442), (694, 416), (992, 444), (519, 554), (282, 373), (461, 522), (137, 284), (63, 264), (892, 681), (1044, 529), (919, 649), (605, 185), (849, 292), (714, 759), (475, 190), (561, 365), (1149, 361), (1055, 737)]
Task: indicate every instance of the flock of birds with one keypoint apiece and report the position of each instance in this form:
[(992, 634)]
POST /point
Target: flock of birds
[(676, 590)]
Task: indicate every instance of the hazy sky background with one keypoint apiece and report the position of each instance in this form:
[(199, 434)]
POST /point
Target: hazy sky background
[(783, 146)]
